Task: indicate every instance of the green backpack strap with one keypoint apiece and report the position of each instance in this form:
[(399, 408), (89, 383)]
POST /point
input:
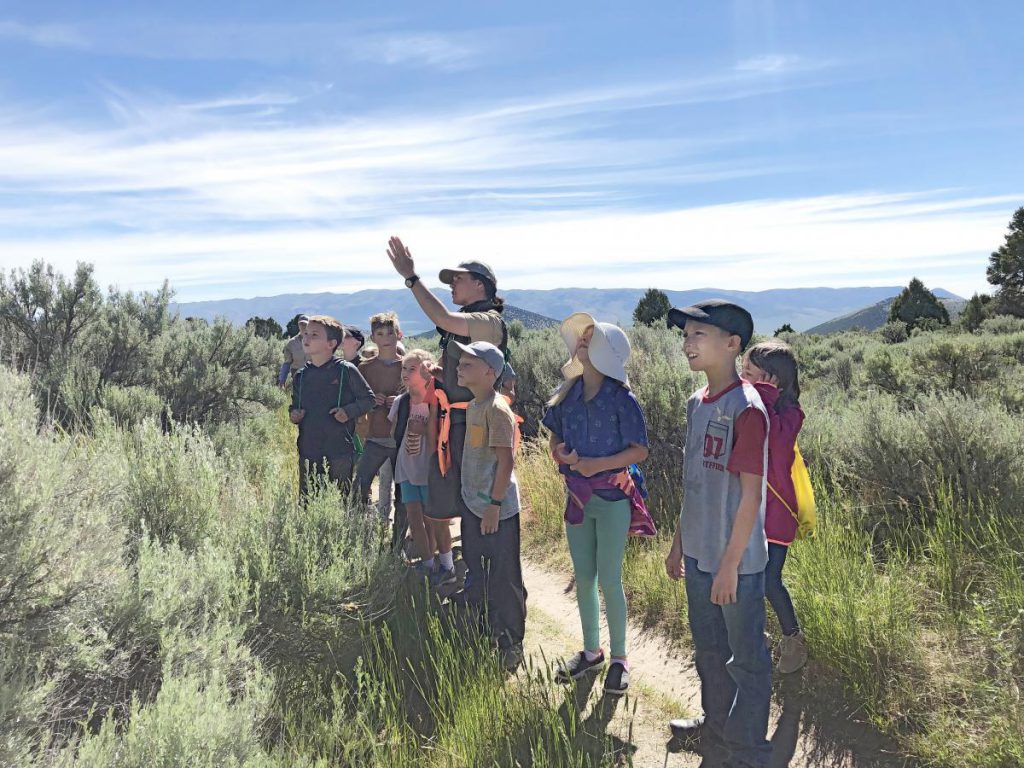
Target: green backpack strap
[(357, 442)]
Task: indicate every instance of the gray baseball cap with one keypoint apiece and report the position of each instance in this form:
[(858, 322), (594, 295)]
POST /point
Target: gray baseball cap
[(487, 352), (303, 318), (484, 270)]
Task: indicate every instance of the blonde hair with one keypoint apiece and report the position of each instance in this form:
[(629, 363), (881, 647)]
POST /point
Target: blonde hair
[(385, 320), (421, 355), (562, 391)]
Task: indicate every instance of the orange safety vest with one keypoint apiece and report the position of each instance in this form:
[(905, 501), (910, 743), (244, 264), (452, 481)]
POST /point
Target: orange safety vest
[(444, 448)]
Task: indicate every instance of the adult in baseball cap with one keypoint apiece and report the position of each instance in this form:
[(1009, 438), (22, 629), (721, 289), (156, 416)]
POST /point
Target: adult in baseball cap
[(478, 270), (294, 355), (478, 319), (731, 318)]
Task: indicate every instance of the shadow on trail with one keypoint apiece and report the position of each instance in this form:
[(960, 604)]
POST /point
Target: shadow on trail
[(813, 728), (817, 726), (592, 732)]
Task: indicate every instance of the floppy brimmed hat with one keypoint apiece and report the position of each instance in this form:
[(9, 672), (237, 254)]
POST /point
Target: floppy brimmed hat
[(609, 347)]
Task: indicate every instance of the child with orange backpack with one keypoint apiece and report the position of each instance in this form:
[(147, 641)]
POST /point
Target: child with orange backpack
[(772, 368)]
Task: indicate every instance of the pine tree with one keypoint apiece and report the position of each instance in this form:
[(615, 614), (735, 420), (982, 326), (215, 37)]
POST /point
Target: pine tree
[(974, 312), (1006, 269), (652, 308), (916, 305)]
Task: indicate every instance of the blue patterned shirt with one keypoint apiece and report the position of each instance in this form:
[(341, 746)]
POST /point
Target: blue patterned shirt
[(607, 424)]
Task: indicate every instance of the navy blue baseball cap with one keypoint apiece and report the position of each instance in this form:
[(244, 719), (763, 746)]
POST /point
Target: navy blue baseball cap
[(731, 318)]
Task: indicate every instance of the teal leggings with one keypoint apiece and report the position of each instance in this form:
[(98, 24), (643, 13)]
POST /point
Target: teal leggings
[(598, 546)]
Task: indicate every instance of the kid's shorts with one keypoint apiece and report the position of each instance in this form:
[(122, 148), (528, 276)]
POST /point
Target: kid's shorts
[(413, 493)]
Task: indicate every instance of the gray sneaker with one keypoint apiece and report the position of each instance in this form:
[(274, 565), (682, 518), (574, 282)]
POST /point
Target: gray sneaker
[(577, 667), (442, 577), (792, 653)]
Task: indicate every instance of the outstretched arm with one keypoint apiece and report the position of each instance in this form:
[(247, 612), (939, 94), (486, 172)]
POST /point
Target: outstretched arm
[(401, 260)]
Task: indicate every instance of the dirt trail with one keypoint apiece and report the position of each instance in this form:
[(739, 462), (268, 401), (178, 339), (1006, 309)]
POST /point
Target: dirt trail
[(807, 729)]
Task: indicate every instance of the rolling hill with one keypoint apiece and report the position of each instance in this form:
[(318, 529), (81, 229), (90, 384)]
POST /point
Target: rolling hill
[(874, 317), (803, 308)]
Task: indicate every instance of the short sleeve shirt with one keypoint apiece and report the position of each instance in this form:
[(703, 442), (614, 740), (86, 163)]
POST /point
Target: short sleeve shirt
[(485, 326), (413, 454), (748, 443), (605, 425), (490, 424)]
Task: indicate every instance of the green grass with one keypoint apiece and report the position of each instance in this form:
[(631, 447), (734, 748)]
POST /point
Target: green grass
[(928, 643), (170, 604)]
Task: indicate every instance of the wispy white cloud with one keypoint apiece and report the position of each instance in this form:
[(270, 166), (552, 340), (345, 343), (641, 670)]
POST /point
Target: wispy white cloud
[(431, 50), (210, 193), (771, 63), (155, 38), (45, 35)]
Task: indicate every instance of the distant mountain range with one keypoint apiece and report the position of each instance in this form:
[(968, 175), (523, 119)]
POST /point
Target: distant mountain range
[(874, 317), (803, 308)]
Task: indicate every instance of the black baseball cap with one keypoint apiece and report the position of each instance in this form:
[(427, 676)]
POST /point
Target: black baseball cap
[(731, 318), (355, 333)]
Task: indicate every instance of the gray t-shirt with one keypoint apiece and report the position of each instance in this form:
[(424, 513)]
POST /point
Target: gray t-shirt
[(712, 492), (413, 454), (490, 424)]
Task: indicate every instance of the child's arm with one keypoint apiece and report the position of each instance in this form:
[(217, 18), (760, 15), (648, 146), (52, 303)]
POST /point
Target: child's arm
[(502, 480), (363, 400), (633, 455), (294, 413), (723, 588), (674, 560), (632, 432)]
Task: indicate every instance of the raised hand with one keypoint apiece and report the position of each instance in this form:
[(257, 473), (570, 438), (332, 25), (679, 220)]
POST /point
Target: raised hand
[(401, 258)]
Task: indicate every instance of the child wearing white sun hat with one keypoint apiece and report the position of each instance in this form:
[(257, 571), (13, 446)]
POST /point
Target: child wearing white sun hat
[(598, 432)]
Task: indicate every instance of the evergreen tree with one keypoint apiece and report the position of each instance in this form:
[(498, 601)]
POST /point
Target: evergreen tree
[(652, 308), (784, 328), (1006, 269), (974, 312), (292, 329), (915, 305), (265, 327)]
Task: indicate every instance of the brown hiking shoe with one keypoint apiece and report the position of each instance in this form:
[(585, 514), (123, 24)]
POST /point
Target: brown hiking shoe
[(792, 653)]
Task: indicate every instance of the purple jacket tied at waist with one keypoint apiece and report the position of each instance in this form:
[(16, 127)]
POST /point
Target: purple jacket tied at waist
[(580, 489)]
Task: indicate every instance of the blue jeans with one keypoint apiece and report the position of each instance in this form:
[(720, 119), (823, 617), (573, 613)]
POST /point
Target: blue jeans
[(776, 591), (733, 663)]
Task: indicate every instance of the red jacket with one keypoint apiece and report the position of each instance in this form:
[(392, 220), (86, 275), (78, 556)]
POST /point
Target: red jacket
[(779, 524)]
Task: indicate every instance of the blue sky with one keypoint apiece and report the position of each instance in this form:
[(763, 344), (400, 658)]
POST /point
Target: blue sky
[(243, 149)]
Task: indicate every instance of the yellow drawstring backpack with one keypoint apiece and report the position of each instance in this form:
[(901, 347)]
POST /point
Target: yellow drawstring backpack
[(806, 510)]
